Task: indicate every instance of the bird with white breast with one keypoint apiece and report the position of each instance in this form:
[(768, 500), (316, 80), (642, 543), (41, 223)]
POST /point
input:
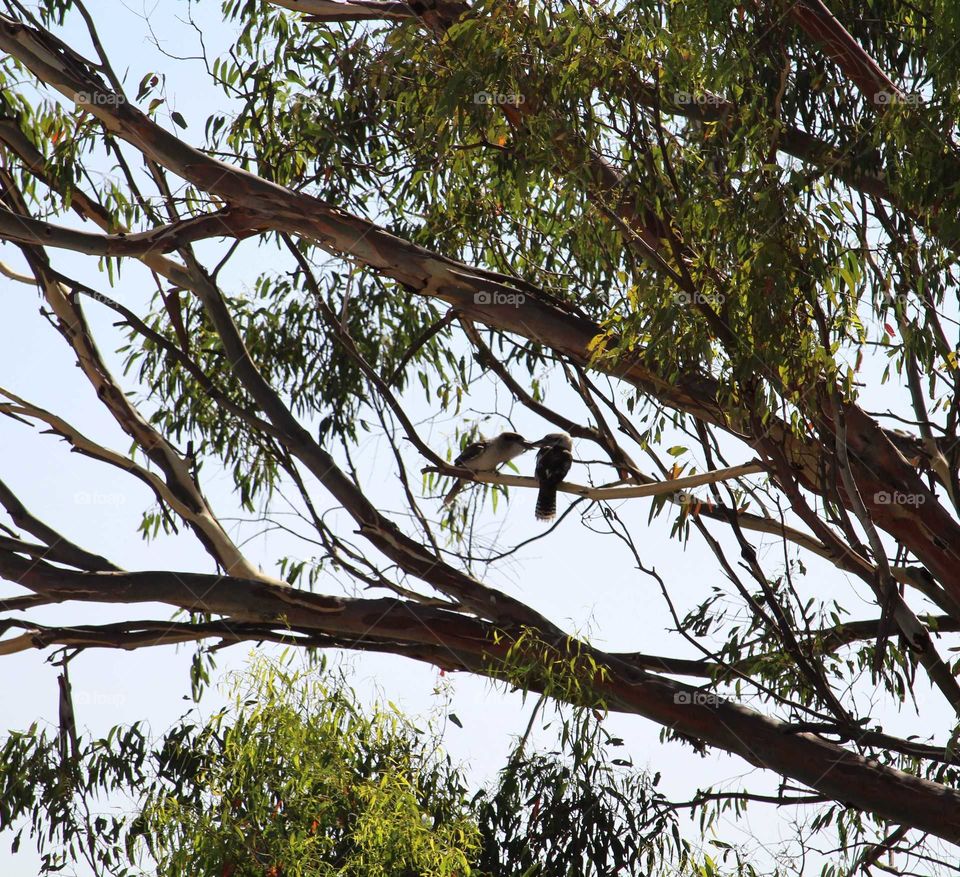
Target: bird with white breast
[(487, 455)]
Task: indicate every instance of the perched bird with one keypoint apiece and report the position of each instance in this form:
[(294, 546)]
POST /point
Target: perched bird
[(486, 455), (553, 463)]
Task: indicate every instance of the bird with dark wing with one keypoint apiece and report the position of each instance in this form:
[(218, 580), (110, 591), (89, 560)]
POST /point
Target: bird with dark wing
[(553, 463), (486, 455)]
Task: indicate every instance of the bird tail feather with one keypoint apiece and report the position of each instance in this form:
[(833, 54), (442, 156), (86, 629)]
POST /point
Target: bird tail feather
[(546, 504), (457, 487)]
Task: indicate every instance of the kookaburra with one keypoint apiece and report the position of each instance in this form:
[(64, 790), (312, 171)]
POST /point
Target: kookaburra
[(553, 463), (488, 454)]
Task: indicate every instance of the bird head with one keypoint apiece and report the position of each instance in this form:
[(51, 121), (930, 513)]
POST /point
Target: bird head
[(514, 439), (555, 440)]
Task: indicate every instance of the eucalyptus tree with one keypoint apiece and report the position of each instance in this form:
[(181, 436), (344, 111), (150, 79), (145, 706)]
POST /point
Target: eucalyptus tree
[(724, 232), (291, 777), (295, 777)]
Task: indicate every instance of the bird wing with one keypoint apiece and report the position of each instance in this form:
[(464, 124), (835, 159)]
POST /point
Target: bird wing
[(470, 453)]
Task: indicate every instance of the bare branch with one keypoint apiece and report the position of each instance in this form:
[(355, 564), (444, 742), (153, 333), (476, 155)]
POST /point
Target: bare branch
[(56, 547), (229, 222), (655, 488)]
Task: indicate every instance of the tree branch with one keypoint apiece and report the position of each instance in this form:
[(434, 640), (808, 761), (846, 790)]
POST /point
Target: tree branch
[(476, 646), (656, 488)]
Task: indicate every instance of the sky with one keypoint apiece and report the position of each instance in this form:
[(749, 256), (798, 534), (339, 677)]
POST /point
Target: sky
[(581, 580)]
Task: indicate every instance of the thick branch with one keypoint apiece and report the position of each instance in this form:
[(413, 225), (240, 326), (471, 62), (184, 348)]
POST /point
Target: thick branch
[(822, 27), (178, 478), (348, 10), (233, 223), (473, 645), (880, 466)]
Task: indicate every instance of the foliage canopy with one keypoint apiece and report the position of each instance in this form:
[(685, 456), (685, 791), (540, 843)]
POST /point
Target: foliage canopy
[(689, 234)]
